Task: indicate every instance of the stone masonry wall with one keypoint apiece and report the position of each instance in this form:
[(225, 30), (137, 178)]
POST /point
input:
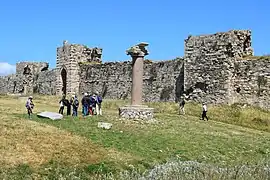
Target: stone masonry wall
[(46, 83), (68, 58), (163, 81), (251, 82), (7, 84), (209, 64), (217, 68), (26, 78), (35, 67)]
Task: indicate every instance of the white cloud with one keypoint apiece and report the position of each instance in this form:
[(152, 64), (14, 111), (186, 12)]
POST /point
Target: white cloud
[(6, 69)]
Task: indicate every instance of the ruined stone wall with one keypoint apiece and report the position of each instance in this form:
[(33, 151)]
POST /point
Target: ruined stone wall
[(46, 83), (35, 67), (7, 84), (251, 82), (69, 56), (162, 81), (24, 81), (209, 64)]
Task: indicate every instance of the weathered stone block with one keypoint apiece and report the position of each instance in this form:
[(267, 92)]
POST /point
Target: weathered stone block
[(136, 112)]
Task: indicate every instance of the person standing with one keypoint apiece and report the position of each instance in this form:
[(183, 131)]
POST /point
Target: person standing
[(204, 112), (75, 105), (98, 104), (182, 106), (68, 104), (62, 106), (91, 105), (85, 104), (29, 106)]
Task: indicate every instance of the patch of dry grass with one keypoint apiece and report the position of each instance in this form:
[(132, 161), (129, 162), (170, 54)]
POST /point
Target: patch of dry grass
[(23, 141)]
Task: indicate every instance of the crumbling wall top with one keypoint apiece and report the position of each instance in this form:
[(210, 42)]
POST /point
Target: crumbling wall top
[(23, 68), (237, 42)]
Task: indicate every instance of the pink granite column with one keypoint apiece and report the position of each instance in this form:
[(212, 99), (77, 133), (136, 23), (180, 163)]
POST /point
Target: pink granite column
[(137, 80), (137, 53)]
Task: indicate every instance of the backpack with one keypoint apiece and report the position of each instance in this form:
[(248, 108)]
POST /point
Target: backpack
[(76, 102)]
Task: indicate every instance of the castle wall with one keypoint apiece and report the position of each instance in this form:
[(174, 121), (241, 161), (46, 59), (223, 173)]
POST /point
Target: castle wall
[(217, 68), (35, 67), (46, 83), (209, 63), (68, 57), (162, 81), (24, 81), (8, 85), (251, 82)]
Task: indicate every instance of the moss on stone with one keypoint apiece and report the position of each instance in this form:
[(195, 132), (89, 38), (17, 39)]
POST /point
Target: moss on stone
[(255, 57)]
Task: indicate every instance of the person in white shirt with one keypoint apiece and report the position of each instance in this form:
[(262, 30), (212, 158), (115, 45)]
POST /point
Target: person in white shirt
[(204, 111)]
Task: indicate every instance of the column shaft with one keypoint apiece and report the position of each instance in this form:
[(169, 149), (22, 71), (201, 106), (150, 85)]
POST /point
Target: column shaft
[(137, 80)]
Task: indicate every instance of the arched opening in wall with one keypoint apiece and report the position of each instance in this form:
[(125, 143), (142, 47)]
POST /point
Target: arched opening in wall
[(64, 81)]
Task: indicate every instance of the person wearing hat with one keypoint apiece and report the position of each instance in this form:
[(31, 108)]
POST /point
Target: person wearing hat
[(182, 105), (204, 111), (29, 106)]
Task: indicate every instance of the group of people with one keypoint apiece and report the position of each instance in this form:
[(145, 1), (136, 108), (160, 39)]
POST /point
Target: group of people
[(182, 103), (91, 105), (73, 102)]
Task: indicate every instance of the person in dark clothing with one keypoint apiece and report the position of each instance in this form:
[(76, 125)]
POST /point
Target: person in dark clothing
[(68, 104), (91, 105), (62, 106), (82, 104), (75, 104), (182, 106), (204, 111), (85, 104)]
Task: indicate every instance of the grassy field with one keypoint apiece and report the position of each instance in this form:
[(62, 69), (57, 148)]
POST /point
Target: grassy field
[(234, 140)]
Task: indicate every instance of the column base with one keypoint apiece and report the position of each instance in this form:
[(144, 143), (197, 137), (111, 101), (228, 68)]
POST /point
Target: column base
[(136, 112)]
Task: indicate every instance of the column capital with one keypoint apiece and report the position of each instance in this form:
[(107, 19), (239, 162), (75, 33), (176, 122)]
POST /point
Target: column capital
[(138, 50)]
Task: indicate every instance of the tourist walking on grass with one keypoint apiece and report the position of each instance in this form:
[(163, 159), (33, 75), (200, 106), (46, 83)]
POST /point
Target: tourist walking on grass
[(204, 111), (75, 105), (29, 106), (62, 106), (85, 104), (98, 104), (182, 106)]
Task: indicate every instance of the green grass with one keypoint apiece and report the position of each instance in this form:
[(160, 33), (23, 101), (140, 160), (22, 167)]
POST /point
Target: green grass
[(233, 136)]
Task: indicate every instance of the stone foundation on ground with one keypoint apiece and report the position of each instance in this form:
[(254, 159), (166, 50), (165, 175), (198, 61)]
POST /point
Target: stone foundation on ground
[(136, 112)]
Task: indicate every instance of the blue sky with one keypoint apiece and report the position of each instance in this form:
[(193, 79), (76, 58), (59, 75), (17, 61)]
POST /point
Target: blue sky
[(31, 30)]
